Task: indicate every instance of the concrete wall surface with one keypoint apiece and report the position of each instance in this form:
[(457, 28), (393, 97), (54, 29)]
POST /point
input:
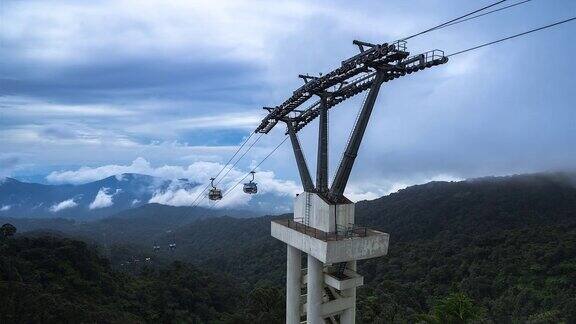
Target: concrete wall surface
[(355, 248)]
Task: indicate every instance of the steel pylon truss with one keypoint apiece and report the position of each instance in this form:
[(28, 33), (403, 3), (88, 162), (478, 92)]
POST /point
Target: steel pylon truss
[(368, 70), (355, 75)]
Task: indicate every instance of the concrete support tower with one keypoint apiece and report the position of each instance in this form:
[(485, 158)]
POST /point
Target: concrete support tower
[(324, 227), (330, 278)]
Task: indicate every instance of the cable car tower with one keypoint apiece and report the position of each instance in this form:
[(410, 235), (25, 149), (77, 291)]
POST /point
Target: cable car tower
[(323, 226)]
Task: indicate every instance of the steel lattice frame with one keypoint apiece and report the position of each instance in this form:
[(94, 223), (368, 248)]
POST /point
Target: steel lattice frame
[(354, 76), (368, 70)]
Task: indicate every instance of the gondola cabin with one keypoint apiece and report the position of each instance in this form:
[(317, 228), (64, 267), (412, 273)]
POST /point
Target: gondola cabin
[(215, 194), (251, 188)]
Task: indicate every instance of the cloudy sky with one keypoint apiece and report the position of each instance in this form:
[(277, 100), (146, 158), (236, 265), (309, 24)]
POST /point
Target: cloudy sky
[(90, 88)]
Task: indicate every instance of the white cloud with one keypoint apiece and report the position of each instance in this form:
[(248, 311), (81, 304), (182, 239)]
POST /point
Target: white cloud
[(120, 177), (198, 171), (103, 198), (276, 40), (377, 189), (231, 187), (66, 204), (5, 208), (8, 163), (38, 205), (177, 194), (26, 107), (244, 120), (71, 32), (157, 26)]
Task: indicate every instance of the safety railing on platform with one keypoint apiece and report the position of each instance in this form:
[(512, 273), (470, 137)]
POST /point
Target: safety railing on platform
[(400, 45), (420, 60), (355, 231)]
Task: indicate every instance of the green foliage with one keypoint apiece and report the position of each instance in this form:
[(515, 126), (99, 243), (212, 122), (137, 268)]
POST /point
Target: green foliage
[(456, 308), (7, 230), (56, 280), (509, 244)]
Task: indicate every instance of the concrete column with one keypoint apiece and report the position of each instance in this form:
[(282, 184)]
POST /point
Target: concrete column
[(293, 274), (349, 315), (314, 291)]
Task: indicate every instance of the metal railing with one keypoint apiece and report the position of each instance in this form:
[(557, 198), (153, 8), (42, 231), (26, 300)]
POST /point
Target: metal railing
[(420, 60), (400, 45), (356, 231)]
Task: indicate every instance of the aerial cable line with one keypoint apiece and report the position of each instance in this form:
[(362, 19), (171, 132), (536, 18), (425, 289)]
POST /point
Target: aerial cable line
[(484, 14), (240, 158), (253, 170), (453, 20), (256, 167), (219, 172), (235, 153), (513, 36), (230, 169), (194, 204)]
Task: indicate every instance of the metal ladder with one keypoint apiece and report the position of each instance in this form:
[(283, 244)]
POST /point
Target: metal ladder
[(307, 209)]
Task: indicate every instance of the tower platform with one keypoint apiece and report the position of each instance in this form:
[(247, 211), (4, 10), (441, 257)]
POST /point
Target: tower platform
[(354, 243), (324, 230)]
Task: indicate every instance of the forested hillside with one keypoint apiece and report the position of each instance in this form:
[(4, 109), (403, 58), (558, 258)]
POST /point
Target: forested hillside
[(55, 280), (509, 244)]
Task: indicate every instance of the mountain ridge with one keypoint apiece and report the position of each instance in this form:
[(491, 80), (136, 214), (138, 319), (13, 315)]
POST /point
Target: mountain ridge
[(508, 243), (103, 198)]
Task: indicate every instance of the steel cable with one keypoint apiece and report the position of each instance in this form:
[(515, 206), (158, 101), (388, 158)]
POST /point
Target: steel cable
[(195, 202), (513, 36), (253, 170), (453, 20)]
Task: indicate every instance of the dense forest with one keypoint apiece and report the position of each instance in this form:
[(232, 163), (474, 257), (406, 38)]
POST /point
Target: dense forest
[(506, 247), (57, 280)]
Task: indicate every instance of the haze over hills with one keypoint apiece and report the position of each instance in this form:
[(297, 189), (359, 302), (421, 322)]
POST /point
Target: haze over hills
[(85, 201), (106, 197), (507, 242)]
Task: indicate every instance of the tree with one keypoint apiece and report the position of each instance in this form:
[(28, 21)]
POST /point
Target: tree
[(8, 230), (456, 308)]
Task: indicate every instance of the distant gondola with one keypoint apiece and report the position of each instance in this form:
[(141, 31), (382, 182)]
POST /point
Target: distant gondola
[(251, 187), (214, 193)]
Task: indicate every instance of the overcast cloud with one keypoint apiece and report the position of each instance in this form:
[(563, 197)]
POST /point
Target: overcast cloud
[(66, 204), (94, 88)]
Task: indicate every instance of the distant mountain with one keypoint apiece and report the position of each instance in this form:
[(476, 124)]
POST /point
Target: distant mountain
[(103, 198), (141, 225), (507, 242), (473, 206), (91, 200)]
